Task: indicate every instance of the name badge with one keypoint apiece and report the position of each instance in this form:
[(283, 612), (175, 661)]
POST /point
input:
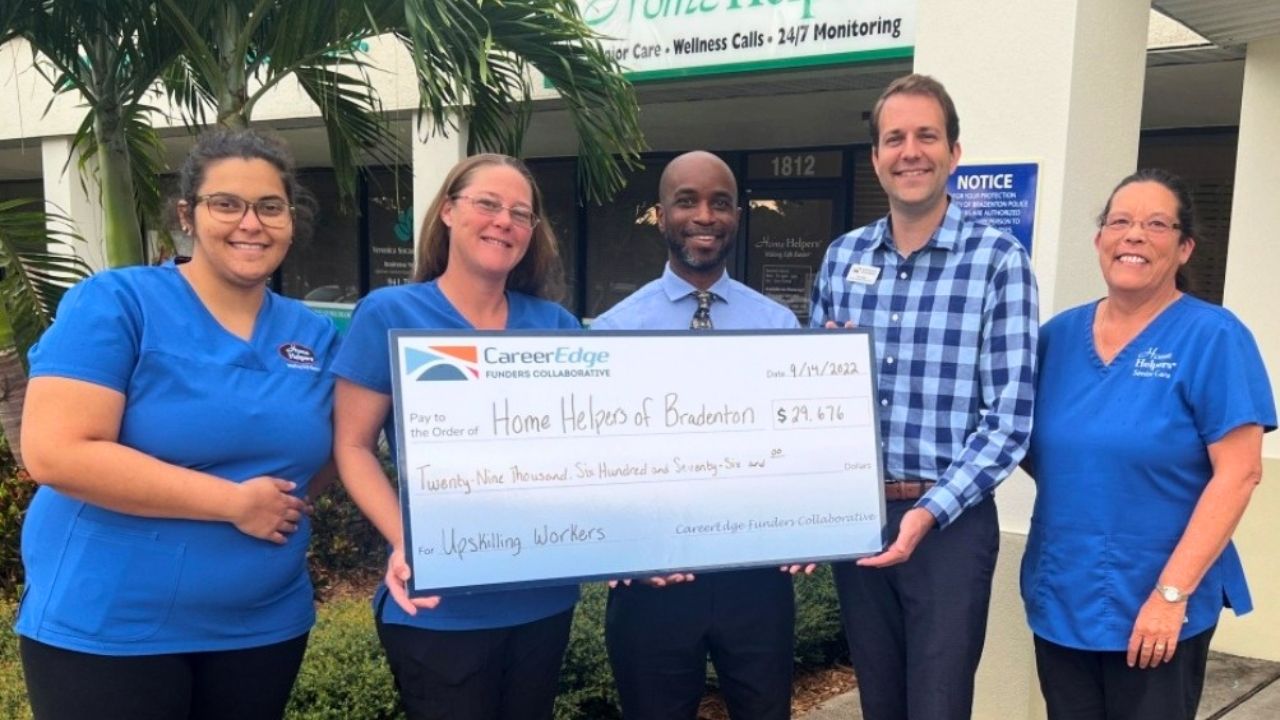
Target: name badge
[(863, 274)]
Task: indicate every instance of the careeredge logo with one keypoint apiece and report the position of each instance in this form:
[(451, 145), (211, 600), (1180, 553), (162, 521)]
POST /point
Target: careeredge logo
[(441, 362)]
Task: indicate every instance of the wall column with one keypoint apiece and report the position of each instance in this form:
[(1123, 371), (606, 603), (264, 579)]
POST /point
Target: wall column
[(1253, 266), (1059, 83), (73, 197), (433, 157)]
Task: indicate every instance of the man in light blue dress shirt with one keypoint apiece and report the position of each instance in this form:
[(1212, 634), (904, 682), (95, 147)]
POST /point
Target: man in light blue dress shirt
[(660, 632)]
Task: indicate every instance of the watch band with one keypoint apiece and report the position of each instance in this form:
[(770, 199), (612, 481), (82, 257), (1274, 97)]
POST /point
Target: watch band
[(1171, 594)]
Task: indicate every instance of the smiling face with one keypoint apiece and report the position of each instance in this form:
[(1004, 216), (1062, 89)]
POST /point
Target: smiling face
[(481, 244), (1140, 259), (242, 253), (698, 215), (912, 157)]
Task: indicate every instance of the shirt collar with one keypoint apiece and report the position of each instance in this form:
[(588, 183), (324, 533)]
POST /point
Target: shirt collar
[(945, 237), (678, 288)]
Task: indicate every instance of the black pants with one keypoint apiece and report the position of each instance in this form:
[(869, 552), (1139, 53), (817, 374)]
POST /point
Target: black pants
[(1091, 685), (659, 640), (916, 630), (499, 674), (249, 684)]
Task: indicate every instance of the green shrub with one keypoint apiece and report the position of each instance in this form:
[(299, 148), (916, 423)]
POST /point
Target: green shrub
[(345, 547), (16, 490), (13, 689), (586, 682), (344, 674), (820, 639)]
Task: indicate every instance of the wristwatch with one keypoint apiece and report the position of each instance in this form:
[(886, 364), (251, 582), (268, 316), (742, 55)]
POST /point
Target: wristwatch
[(1171, 594)]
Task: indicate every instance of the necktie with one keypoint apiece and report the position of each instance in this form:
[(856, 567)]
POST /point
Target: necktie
[(702, 316)]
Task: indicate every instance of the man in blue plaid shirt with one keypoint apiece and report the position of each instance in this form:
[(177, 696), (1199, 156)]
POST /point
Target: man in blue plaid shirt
[(953, 307)]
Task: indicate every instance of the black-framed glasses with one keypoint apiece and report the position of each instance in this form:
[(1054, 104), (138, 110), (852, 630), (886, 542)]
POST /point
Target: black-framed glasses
[(272, 212), (520, 217), (1153, 226)]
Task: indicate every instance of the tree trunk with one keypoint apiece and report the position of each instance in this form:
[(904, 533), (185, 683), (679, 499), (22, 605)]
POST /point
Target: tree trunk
[(122, 233)]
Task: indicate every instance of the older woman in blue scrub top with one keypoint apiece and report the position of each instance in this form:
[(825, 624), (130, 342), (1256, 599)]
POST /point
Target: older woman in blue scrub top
[(1147, 445), (177, 418), (487, 261)]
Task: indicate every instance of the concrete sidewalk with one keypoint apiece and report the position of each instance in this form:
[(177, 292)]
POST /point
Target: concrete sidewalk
[(1235, 688)]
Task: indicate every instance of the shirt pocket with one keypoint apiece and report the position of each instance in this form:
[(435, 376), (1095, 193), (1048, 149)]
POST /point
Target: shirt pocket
[(114, 583)]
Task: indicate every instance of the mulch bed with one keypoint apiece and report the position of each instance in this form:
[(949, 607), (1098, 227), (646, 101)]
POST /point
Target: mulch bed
[(812, 688)]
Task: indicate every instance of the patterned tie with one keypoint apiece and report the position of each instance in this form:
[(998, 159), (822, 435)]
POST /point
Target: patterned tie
[(702, 316)]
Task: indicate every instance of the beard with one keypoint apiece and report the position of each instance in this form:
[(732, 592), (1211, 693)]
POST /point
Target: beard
[(695, 261)]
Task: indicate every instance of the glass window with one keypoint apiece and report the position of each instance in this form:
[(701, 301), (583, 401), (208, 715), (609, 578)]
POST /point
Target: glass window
[(390, 214), (557, 180), (625, 249), (327, 267)]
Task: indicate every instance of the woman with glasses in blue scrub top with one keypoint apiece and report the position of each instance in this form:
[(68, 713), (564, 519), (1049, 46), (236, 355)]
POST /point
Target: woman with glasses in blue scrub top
[(486, 262), (1147, 444), (177, 419)]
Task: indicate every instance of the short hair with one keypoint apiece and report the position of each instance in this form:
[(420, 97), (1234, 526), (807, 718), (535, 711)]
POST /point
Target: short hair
[(221, 144), (539, 272), (1189, 227), (916, 84)]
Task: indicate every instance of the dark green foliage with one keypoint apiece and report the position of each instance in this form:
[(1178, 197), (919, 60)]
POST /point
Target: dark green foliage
[(344, 674), (16, 489), (13, 690), (586, 683), (345, 547), (820, 637)]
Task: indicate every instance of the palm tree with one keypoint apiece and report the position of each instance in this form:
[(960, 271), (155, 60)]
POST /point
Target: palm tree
[(37, 265), (471, 58), (110, 52), (221, 57)]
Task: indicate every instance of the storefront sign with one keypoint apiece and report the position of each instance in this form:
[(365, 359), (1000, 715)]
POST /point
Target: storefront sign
[(340, 313), (677, 38), (1002, 195)]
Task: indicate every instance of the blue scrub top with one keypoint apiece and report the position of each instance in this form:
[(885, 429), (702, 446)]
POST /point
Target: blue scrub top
[(1120, 456), (196, 396), (365, 360)]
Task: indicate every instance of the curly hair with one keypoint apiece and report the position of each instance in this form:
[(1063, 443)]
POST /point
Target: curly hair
[(216, 145)]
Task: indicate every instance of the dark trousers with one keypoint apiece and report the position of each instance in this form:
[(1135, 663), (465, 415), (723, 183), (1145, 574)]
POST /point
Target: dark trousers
[(497, 674), (916, 629), (249, 684), (659, 640), (1092, 685)]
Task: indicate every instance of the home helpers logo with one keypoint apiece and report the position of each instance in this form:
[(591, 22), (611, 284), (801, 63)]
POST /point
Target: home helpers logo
[(441, 362)]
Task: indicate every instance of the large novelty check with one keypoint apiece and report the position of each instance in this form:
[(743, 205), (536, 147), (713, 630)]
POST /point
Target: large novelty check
[(535, 459)]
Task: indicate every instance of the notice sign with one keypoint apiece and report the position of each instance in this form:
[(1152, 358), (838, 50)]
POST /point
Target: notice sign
[(1003, 195), (677, 38), (555, 458)]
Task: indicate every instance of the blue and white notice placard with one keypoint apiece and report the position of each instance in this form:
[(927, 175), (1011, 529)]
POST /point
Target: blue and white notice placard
[(1002, 195), (536, 459)]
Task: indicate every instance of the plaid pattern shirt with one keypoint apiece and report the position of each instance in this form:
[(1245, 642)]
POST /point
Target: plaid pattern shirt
[(955, 328)]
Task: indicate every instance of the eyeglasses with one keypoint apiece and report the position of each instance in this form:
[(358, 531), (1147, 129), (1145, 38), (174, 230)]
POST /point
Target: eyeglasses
[(1153, 226), (272, 212), (520, 217)]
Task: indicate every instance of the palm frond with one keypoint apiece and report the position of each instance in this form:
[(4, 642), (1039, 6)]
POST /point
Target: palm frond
[(39, 264), (476, 51)]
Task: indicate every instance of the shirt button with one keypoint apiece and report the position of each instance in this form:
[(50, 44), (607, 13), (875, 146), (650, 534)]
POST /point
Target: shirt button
[(884, 403), (894, 317), (889, 360), (903, 275)]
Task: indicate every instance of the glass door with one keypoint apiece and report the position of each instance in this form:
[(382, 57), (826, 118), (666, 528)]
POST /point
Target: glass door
[(788, 231)]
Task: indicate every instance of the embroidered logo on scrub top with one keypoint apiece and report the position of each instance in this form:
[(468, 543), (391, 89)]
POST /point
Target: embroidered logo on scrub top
[(1152, 363), (298, 356)]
